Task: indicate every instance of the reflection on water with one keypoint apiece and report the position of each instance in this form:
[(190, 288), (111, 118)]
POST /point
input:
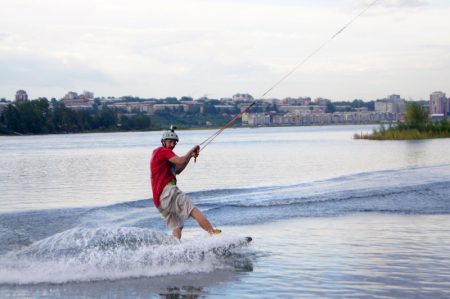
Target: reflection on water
[(417, 151), (192, 285)]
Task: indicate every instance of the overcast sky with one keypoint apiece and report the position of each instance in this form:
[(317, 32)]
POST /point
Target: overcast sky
[(153, 48)]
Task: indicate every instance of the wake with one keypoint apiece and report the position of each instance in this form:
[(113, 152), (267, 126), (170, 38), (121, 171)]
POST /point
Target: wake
[(82, 254)]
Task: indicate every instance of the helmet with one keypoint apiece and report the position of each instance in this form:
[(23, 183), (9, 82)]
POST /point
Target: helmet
[(170, 134)]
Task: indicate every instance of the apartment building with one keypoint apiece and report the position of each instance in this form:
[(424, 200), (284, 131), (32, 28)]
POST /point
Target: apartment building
[(21, 96), (439, 104)]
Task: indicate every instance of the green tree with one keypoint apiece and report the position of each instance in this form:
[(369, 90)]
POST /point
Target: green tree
[(27, 117), (171, 100), (209, 106), (59, 117), (330, 108), (11, 119), (271, 107), (415, 116), (358, 104), (106, 119)]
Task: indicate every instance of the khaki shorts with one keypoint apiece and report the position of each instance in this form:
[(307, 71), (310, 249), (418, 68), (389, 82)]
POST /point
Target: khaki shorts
[(174, 206)]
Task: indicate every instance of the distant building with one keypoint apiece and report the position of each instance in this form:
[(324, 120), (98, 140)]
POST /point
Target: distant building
[(149, 107), (384, 106), (301, 101), (88, 94), (258, 119), (224, 108), (73, 100), (343, 108), (70, 96), (394, 98), (439, 103), (21, 96), (226, 101), (292, 108), (193, 106), (321, 101), (309, 117), (273, 101), (169, 107), (306, 109), (290, 101), (146, 107), (391, 104), (242, 97), (437, 117)]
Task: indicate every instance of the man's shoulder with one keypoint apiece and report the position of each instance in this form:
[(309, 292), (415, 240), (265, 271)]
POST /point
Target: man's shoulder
[(157, 149), (163, 151)]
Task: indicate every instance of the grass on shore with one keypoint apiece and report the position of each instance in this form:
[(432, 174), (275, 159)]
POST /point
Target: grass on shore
[(416, 125), (396, 134), (404, 131)]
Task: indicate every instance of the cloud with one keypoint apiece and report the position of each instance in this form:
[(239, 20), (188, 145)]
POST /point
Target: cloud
[(404, 3), (162, 48), (3, 36), (28, 69)]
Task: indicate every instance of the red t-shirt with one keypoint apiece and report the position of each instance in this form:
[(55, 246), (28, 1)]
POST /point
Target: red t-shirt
[(162, 171)]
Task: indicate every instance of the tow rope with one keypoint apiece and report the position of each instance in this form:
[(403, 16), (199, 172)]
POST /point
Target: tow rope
[(296, 67)]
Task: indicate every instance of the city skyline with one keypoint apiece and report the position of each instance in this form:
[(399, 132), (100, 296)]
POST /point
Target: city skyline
[(197, 48), (68, 94)]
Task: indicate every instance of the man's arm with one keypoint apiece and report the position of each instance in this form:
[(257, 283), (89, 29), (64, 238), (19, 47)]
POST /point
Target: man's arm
[(183, 161)]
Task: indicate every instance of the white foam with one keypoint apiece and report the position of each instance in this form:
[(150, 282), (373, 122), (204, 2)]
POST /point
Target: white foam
[(82, 254)]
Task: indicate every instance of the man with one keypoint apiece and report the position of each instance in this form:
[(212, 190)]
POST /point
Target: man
[(171, 202)]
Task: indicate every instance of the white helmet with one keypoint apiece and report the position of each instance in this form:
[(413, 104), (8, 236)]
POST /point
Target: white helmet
[(170, 134)]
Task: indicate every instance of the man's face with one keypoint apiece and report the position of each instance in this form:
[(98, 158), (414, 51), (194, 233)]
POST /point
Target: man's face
[(170, 143)]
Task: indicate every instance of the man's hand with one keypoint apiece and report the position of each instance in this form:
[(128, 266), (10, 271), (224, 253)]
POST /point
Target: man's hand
[(183, 161), (195, 152)]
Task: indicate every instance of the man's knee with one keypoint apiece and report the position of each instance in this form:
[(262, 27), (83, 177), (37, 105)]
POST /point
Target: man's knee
[(194, 213)]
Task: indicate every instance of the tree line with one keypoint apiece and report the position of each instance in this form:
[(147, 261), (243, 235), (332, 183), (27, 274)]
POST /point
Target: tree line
[(53, 117), (43, 117)]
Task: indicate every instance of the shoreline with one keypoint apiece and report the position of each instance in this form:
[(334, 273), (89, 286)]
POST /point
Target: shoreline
[(16, 134)]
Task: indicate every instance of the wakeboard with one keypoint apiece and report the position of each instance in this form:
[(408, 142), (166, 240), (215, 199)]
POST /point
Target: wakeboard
[(225, 248)]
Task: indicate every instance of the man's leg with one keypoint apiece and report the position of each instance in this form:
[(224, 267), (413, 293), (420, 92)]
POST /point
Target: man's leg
[(201, 219), (177, 232)]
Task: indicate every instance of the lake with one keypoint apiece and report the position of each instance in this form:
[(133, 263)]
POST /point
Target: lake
[(330, 216)]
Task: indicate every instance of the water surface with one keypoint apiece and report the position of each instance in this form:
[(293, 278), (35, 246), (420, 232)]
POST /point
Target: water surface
[(330, 216)]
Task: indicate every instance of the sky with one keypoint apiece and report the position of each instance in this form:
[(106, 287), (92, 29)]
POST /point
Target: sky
[(217, 48)]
